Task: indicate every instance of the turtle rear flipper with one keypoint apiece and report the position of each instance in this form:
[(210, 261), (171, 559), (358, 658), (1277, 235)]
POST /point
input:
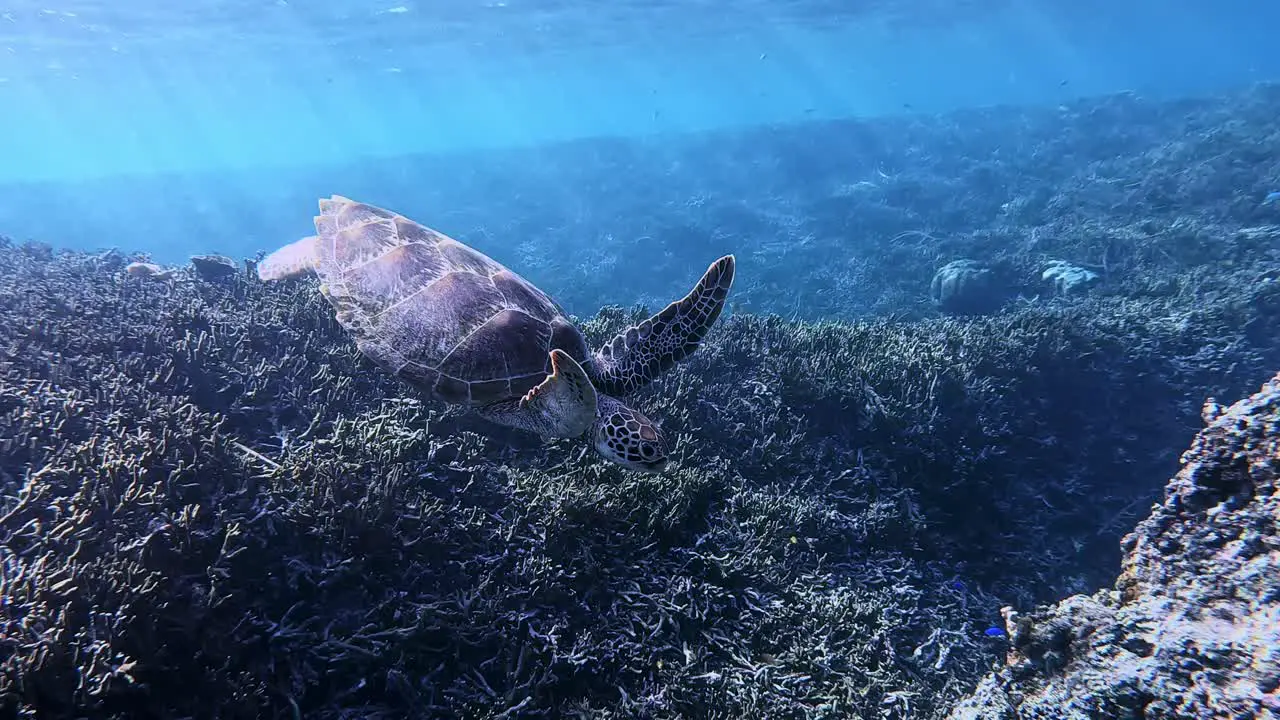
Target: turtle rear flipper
[(562, 406), (641, 353), (296, 258)]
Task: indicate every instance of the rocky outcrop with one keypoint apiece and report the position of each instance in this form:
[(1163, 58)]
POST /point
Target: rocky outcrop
[(1192, 627)]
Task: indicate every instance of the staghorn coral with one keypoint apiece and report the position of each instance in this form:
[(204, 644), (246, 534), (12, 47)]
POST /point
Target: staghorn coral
[(214, 507), (1192, 626), (235, 504)]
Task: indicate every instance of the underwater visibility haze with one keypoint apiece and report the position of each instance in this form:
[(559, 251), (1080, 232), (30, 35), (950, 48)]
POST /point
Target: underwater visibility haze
[(662, 359)]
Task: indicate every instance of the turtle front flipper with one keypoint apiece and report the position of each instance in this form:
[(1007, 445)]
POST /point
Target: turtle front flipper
[(641, 353), (562, 406), (296, 258)]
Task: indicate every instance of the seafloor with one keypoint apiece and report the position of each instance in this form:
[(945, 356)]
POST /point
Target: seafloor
[(214, 507)]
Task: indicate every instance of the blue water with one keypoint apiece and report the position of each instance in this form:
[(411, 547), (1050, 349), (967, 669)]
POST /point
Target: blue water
[(183, 127)]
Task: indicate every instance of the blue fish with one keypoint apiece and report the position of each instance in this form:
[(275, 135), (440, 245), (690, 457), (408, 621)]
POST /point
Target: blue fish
[(994, 632), (1272, 198)]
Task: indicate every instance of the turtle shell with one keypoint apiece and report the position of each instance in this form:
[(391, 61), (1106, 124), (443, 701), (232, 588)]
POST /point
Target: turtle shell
[(442, 316)]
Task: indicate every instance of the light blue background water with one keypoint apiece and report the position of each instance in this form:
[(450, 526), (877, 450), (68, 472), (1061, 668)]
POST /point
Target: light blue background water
[(97, 95)]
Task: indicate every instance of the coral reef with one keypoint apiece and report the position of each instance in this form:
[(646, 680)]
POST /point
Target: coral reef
[(831, 220), (1192, 626), (212, 506), (858, 212), (210, 497)]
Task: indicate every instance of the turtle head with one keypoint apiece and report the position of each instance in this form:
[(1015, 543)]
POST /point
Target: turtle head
[(628, 438)]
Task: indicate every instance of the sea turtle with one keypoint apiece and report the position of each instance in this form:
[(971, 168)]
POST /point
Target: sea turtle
[(462, 328)]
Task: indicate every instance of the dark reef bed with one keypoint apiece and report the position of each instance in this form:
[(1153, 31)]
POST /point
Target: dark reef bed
[(214, 507)]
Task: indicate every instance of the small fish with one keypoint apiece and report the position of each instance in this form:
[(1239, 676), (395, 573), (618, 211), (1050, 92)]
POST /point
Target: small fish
[(1272, 198), (957, 585), (994, 632)]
